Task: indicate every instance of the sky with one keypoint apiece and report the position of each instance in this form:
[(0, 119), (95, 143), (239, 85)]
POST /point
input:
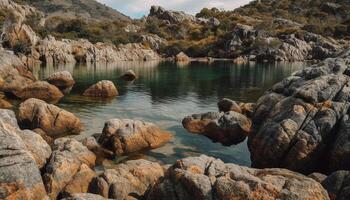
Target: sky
[(139, 8)]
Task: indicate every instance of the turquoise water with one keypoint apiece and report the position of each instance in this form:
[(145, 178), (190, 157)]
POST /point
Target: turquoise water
[(164, 94)]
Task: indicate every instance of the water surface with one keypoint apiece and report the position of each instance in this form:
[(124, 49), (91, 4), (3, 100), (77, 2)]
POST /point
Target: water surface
[(164, 94)]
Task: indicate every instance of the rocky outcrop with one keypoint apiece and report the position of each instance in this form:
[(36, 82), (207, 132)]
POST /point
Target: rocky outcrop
[(102, 89), (227, 128), (123, 136), (154, 41), (302, 121), (338, 185), (69, 169), (61, 80), (19, 173), (171, 16), (40, 90), (55, 122), (182, 57), (208, 178), (130, 180), (130, 75), (84, 196)]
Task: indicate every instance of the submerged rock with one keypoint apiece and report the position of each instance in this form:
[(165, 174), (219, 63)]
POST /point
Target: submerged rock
[(227, 128), (123, 136), (61, 80), (209, 178), (40, 90), (54, 121), (102, 89), (182, 57), (130, 75)]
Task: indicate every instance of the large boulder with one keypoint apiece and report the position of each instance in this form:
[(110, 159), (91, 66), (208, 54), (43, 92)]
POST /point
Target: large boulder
[(205, 178), (102, 89), (61, 80), (123, 136), (301, 123), (338, 185), (19, 173), (132, 179), (171, 16), (129, 75), (154, 41), (182, 57), (227, 128), (54, 121), (40, 90), (69, 169)]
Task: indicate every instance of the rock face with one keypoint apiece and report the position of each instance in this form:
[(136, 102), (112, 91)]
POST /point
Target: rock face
[(208, 178), (102, 89), (227, 128), (338, 185), (182, 57), (61, 80), (154, 41), (19, 173), (131, 179), (303, 120), (171, 16), (69, 169), (123, 136), (35, 113), (40, 90)]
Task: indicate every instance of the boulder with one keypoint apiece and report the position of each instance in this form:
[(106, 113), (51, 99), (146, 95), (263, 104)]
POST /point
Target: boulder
[(132, 178), (102, 89), (227, 105), (338, 185), (301, 123), (101, 153), (129, 75), (84, 196), (227, 128), (54, 121), (4, 104), (171, 16), (69, 168), (19, 173), (209, 178), (154, 41), (61, 80), (98, 185), (182, 57), (40, 90), (123, 136)]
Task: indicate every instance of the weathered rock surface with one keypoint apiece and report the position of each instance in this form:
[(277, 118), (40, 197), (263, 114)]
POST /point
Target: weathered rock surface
[(208, 178), (182, 57), (129, 75), (69, 168), (154, 41), (103, 89), (171, 16), (61, 80), (40, 90), (227, 128), (19, 174), (84, 196), (123, 136), (301, 123), (338, 185), (55, 122), (132, 179)]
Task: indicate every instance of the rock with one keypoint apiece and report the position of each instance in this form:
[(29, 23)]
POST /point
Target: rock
[(182, 57), (171, 16), (154, 41), (337, 184), (13, 74), (61, 80), (68, 167), (55, 122), (123, 136), (5, 104), (21, 34), (102, 89), (209, 178), (19, 174), (132, 179), (84, 196), (301, 123), (40, 90), (318, 177), (130, 75), (43, 135), (99, 186), (227, 128), (100, 152), (227, 105)]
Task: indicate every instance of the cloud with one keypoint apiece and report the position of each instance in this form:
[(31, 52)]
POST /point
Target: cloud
[(138, 8)]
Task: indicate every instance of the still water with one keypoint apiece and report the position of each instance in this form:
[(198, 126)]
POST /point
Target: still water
[(164, 94)]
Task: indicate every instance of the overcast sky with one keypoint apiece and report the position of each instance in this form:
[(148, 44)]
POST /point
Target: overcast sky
[(138, 8)]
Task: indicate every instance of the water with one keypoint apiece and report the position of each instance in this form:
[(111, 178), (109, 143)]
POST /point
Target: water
[(164, 94)]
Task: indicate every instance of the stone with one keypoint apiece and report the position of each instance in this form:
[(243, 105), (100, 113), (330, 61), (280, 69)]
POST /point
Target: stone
[(182, 57), (132, 178), (171, 16), (338, 185), (68, 167), (102, 89), (154, 41), (317, 177), (227, 128), (124, 136), (19, 173), (226, 105), (209, 178), (4, 104), (129, 75), (61, 80), (54, 121), (84, 196), (99, 186), (101, 153), (40, 90)]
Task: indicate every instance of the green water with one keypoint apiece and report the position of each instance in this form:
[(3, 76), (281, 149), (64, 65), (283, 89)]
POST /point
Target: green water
[(164, 94)]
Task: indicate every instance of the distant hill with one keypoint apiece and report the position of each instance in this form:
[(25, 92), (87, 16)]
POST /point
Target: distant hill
[(87, 9)]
